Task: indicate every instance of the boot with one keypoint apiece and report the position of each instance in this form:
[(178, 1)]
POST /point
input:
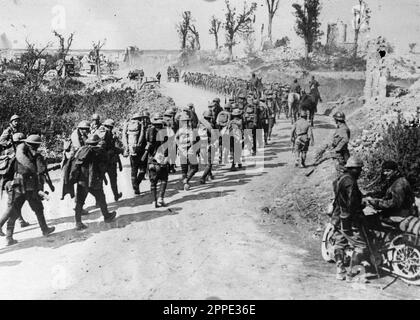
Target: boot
[(240, 166), (24, 224), (43, 225), (48, 231), (187, 187), (233, 167), (118, 196), (161, 202), (9, 237), (80, 226), (202, 181), (111, 216)]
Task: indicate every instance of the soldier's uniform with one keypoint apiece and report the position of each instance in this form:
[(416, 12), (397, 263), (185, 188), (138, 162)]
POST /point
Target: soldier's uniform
[(113, 151), (89, 172), (134, 140), (347, 214), (158, 163), (399, 198), (26, 184), (95, 124), (272, 111), (263, 119), (339, 144), (251, 121), (205, 131), (186, 139), (6, 138), (301, 137), (236, 131)]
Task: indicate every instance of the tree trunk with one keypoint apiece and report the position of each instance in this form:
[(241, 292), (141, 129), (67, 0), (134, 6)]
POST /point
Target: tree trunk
[(356, 40), (217, 41), (270, 28), (230, 47), (306, 51)]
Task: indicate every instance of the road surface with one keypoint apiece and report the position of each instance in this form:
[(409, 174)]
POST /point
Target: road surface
[(206, 244)]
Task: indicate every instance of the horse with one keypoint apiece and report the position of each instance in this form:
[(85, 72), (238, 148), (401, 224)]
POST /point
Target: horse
[(309, 103), (293, 102)]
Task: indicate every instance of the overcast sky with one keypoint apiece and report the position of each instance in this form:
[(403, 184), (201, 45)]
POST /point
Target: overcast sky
[(150, 24)]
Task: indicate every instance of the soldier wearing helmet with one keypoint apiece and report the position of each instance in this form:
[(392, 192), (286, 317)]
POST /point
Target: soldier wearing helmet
[(95, 124), (89, 174), (339, 144), (79, 135), (205, 131), (186, 139), (27, 183), (235, 128), (18, 138), (134, 141), (346, 216), (113, 148), (6, 138), (301, 137), (157, 158)]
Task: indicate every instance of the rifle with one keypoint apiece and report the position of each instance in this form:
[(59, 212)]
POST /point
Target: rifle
[(48, 178)]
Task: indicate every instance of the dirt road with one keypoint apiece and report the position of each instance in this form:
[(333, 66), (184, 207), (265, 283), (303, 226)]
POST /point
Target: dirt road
[(207, 243)]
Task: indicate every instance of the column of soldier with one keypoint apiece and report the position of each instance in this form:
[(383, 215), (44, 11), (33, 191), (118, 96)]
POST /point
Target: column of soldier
[(93, 153)]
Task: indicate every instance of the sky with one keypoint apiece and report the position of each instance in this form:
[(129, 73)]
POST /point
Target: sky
[(150, 24)]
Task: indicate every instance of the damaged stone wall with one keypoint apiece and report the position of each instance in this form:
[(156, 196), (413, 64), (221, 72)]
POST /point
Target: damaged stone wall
[(377, 70)]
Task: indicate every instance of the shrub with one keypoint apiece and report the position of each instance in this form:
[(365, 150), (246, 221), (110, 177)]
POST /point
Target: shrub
[(283, 42), (400, 142)]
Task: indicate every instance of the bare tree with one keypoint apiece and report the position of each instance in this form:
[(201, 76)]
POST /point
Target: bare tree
[(196, 37), (238, 24), (63, 50), (272, 6), (32, 73), (96, 56), (361, 19), (215, 24), (307, 23), (183, 28)]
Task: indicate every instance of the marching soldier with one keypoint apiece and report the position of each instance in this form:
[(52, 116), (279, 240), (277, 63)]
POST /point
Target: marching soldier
[(6, 182), (113, 150), (158, 160), (134, 141), (89, 174), (251, 121), (235, 129), (301, 137), (340, 142), (186, 140), (272, 111), (27, 185), (206, 125)]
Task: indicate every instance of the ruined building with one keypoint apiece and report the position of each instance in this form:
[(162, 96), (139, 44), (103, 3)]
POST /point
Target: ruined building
[(338, 35)]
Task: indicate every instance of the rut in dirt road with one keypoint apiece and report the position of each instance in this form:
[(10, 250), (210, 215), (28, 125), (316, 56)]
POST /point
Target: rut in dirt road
[(206, 243)]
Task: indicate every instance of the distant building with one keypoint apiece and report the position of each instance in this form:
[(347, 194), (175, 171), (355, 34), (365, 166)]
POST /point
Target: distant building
[(337, 36)]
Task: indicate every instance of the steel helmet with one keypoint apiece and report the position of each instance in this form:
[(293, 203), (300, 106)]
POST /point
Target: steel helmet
[(93, 139), (216, 100), (304, 114), (174, 109), (231, 99), (95, 116), (109, 123), (187, 108), (14, 117), (354, 162), (145, 114), (137, 115), (211, 104), (18, 137), (83, 125), (190, 105), (228, 106), (339, 116), (207, 114), (33, 139), (158, 115), (241, 96), (236, 112)]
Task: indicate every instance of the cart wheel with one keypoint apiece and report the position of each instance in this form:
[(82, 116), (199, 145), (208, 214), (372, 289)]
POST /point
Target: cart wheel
[(406, 263), (327, 245)]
